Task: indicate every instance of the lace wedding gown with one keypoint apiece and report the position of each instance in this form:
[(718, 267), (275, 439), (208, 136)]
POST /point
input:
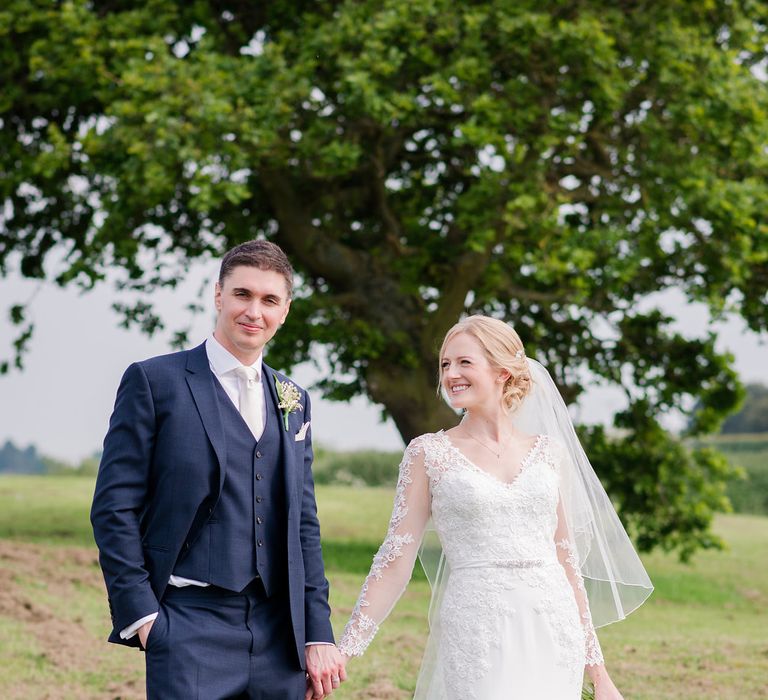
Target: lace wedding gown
[(514, 620)]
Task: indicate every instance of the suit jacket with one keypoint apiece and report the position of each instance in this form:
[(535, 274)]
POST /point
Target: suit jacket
[(161, 475)]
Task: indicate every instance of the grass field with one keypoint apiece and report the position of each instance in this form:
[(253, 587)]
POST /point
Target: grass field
[(702, 635)]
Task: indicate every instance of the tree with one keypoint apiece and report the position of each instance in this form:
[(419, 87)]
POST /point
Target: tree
[(752, 417), (14, 460), (548, 162)]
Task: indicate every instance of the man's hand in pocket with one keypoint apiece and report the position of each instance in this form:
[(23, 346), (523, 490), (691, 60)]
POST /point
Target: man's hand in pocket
[(144, 633)]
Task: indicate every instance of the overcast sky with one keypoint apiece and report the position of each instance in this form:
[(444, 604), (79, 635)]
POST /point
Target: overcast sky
[(62, 400)]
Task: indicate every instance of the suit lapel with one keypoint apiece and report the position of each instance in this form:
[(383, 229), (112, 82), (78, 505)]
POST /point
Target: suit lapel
[(286, 447), (200, 381)]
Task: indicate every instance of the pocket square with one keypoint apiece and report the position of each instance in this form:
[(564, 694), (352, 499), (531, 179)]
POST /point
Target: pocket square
[(302, 433)]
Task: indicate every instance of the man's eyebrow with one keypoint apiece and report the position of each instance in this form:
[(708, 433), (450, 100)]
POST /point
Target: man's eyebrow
[(268, 295)]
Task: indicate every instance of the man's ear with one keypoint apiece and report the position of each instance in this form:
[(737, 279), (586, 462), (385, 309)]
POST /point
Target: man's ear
[(217, 297), (285, 313)]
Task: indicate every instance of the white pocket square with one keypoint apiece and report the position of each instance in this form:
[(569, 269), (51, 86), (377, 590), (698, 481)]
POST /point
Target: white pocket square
[(302, 433)]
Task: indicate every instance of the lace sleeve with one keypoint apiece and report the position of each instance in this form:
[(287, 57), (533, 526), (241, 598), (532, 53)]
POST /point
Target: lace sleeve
[(393, 564), (568, 556)]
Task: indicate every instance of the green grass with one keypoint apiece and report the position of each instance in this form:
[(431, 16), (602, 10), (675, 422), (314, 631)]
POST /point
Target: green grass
[(701, 635), (52, 509)]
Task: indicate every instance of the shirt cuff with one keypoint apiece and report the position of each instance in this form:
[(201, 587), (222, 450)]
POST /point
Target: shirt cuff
[(130, 631), (327, 644)]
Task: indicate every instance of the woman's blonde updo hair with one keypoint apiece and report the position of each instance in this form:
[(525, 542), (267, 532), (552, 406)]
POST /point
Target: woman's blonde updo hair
[(504, 350)]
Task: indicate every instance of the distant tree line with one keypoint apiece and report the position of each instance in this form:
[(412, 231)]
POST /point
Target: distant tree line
[(753, 415), (15, 460)]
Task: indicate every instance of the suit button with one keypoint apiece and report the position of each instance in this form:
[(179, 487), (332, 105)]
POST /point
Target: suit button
[(258, 454), (259, 499), (210, 511), (259, 521), (186, 546), (259, 477), (260, 543)]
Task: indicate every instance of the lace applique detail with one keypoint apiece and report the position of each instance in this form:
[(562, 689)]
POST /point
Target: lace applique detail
[(437, 459), (362, 628), (390, 549), (557, 608), (358, 633), (592, 650), (470, 625)]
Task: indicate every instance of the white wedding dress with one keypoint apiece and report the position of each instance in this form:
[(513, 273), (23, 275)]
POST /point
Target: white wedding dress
[(514, 620)]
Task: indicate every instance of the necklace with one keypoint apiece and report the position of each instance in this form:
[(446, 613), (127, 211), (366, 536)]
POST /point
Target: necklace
[(493, 452)]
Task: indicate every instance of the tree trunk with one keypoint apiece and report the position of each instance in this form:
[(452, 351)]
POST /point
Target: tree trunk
[(409, 396)]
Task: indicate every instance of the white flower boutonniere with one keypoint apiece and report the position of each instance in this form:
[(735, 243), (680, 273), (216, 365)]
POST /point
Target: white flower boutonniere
[(288, 399)]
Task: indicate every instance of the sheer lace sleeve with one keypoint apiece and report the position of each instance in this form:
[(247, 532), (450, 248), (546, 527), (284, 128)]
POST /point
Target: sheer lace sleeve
[(393, 564), (568, 556)]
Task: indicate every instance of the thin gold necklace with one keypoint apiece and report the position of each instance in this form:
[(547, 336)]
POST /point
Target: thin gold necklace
[(493, 452)]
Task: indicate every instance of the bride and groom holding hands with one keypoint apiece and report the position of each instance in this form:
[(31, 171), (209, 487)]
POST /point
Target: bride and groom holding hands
[(205, 517)]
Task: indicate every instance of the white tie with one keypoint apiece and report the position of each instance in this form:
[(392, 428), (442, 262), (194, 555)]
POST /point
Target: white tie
[(250, 400)]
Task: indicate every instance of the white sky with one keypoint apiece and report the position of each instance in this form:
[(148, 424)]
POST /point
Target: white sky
[(62, 400)]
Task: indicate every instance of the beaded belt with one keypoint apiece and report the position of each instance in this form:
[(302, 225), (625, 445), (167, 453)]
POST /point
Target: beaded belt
[(503, 564)]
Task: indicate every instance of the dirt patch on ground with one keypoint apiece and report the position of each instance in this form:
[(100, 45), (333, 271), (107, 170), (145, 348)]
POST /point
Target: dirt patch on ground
[(384, 690), (38, 588)]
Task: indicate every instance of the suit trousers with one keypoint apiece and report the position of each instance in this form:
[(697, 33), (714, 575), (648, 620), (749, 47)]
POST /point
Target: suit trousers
[(213, 644)]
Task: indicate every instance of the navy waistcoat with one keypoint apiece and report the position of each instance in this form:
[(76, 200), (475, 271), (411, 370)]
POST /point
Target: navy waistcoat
[(245, 534)]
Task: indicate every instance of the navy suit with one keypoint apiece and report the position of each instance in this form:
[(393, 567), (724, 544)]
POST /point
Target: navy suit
[(161, 480)]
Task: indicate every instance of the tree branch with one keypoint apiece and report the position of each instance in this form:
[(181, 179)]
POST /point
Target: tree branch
[(462, 278), (323, 255)]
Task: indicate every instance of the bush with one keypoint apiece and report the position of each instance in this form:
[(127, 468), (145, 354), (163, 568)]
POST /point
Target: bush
[(358, 468)]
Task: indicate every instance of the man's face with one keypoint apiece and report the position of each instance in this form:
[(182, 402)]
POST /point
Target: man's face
[(251, 305)]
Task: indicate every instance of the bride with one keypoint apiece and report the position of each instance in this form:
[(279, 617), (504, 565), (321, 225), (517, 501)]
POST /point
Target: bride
[(524, 552)]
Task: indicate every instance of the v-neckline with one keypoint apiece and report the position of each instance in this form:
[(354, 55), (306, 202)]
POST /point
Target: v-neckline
[(523, 462)]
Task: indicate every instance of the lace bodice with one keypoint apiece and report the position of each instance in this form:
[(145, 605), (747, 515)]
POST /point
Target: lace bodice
[(480, 518), (517, 528)]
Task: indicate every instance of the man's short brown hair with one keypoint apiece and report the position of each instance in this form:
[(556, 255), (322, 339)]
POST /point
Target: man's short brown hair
[(261, 254)]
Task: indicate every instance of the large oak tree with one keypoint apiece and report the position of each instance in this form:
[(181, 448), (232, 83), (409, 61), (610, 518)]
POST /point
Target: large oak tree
[(548, 162)]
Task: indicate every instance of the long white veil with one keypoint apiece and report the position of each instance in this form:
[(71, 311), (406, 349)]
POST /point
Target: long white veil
[(614, 577)]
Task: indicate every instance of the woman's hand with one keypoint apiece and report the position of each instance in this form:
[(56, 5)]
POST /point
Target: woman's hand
[(605, 693), (604, 686)]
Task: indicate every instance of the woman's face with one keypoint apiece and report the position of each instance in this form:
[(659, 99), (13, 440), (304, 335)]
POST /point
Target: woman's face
[(467, 377)]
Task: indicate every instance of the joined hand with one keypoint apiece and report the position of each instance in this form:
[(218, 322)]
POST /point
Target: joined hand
[(325, 670)]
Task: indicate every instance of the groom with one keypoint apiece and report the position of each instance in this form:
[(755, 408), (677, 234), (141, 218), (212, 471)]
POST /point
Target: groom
[(204, 510)]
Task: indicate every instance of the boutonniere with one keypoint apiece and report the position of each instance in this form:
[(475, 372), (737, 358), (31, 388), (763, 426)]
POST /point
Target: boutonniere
[(288, 399)]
